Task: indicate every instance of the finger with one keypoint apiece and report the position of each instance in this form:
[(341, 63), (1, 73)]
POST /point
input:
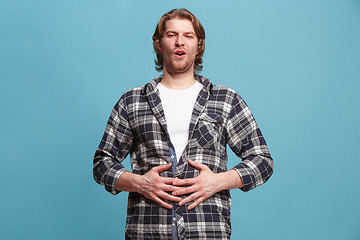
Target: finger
[(196, 203), (161, 168), (183, 191), (183, 182), (168, 180), (188, 199), (169, 197), (170, 188), (162, 203), (197, 165)]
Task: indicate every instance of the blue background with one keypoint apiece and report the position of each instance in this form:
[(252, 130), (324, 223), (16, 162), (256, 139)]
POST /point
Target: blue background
[(64, 64)]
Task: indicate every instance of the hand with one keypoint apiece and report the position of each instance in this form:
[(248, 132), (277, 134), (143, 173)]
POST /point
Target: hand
[(201, 187), (156, 188)]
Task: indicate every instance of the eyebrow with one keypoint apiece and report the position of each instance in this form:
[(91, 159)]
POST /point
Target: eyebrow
[(170, 31)]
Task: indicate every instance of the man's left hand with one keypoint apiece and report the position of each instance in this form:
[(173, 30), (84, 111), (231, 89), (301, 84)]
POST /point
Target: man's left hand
[(205, 184)]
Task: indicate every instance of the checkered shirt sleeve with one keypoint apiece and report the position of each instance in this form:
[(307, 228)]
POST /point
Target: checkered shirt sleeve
[(247, 142), (115, 145)]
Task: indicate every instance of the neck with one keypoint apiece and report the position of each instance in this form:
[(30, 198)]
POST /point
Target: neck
[(178, 81)]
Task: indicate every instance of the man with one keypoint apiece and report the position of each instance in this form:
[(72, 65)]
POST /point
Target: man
[(176, 129)]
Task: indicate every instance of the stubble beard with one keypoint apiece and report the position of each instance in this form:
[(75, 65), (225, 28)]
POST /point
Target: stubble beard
[(179, 66)]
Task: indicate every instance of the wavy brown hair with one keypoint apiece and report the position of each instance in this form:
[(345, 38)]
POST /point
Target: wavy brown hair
[(181, 13)]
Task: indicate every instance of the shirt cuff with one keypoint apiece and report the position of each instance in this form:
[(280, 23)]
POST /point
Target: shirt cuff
[(246, 176), (112, 178)]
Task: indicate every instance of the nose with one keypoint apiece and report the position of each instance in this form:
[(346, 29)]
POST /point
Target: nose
[(179, 41)]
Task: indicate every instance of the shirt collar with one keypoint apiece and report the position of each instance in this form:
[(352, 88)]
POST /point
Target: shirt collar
[(151, 86)]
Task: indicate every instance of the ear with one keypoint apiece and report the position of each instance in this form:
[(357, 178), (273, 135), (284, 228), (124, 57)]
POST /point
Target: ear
[(158, 45), (199, 47)]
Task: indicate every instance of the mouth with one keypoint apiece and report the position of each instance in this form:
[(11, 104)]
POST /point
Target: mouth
[(180, 53)]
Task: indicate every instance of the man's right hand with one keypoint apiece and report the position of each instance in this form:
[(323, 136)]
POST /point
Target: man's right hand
[(151, 185)]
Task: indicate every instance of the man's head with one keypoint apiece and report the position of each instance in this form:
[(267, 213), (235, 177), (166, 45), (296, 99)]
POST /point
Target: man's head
[(160, 31)]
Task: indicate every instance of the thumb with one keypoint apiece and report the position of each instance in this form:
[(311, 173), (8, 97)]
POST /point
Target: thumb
[(162, 168), (197, 165)]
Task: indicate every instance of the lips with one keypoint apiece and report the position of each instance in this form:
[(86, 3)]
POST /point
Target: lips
[(180, 53)]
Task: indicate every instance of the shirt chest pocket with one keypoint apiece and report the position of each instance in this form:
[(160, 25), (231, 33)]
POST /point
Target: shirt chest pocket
[(209, 130)]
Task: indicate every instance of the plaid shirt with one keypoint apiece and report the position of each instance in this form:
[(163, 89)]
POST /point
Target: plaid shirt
[(137, 126)]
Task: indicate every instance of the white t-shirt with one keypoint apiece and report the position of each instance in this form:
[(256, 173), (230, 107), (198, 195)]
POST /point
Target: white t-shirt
[(178, 106)]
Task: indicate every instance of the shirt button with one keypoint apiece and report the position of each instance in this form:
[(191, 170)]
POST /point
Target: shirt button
[(172, 156), (173, 224), (174, 218)]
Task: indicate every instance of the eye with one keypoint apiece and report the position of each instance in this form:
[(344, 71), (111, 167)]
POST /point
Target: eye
[(190, 36), (170, 35)]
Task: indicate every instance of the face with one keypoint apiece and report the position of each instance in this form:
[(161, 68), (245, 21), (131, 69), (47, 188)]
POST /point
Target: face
[(179, 46)]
